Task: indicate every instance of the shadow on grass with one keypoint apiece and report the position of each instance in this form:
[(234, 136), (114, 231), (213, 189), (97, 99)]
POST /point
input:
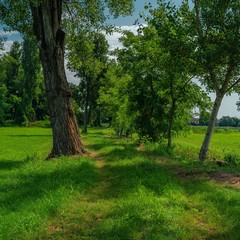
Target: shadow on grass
[(32, 135), (27, 187), (7, 164), (139, 210), (130, 170)]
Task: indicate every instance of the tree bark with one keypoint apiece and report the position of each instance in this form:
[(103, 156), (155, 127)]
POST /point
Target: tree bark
[(47, 18), (205, 145)]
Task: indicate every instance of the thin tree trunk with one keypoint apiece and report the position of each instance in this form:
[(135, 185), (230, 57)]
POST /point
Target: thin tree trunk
[(171, 114), (66, 139), (86, 112), (89, 113), (206, 142), (170, 124), (85, 118)]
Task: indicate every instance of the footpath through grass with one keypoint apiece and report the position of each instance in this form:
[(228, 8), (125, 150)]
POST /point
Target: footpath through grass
[(117, 192)]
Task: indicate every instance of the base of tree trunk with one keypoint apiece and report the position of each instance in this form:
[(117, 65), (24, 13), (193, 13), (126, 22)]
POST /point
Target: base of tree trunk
[(203, 155), (81, 152)]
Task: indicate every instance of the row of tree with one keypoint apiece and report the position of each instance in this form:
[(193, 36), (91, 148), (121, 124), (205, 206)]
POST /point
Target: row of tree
[(150, 86), (156, 67), (225, 121), (22, 98)]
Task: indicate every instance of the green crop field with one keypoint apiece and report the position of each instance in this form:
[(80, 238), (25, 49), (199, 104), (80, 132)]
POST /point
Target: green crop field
[(221, 143), (117, 191)]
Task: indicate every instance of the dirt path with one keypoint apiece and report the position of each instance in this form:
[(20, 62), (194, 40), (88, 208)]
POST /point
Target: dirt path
[(223, 178)]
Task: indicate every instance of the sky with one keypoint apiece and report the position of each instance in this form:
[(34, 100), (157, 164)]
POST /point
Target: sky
[(228, 107)]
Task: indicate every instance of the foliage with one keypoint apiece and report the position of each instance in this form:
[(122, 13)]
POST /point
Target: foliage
[(114, 100), (31, 81), (161, 93), (232, 159), (22, 84), (4, 106), (204, 117), (87, 57), (215, 32), (229, 121), (17, 15)]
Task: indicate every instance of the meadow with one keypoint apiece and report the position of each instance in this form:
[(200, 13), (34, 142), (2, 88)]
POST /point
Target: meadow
[(225, 141), (118, 191)]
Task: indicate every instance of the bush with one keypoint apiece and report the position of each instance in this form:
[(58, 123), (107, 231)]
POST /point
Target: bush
[(42, 124), (232, 159)]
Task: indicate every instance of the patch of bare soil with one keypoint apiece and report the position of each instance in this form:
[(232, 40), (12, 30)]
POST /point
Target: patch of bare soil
[(224, 178)]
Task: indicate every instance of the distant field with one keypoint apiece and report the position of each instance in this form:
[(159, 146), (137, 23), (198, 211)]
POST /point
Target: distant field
[(222, 142)]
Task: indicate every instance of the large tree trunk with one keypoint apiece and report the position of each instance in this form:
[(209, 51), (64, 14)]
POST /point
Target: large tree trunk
[(66, 139), (206, 142)]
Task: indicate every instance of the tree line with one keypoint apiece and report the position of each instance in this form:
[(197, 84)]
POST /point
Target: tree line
[(151, 85), (22, 90)]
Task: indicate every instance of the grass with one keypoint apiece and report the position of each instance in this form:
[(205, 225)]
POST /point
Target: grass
[(116, 193), (221, 144), (31, 189)]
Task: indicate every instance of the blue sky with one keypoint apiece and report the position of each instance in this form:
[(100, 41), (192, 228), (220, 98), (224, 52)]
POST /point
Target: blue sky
[(139, 7), (228, 107)]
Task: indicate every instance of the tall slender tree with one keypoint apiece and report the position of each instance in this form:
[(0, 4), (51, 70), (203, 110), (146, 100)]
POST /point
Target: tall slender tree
[(216, 27), (87, 56), (13, 79), (31, 69)]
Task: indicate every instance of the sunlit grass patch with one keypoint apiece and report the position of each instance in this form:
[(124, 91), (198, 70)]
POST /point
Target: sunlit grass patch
[(32, 190)]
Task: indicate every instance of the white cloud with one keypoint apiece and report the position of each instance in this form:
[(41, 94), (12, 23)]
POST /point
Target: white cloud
[(71, 78), (8, 33), (113, 38), (7, 45)]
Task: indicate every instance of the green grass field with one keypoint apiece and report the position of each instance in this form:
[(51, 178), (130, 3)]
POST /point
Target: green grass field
[(115, 193), (221, 144)]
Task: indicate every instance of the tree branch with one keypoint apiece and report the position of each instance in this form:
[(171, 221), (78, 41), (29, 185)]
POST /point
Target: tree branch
[(233, 85), (224, 89)]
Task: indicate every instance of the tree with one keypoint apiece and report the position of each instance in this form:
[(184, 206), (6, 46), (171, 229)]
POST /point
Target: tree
[(229, 121), (139, 60), (204, 117), (13, 81), (216, 33), (43, 18), (31, 69), (177, 64), (87, 56), (22, 80), (160, 61), (114, 99)]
